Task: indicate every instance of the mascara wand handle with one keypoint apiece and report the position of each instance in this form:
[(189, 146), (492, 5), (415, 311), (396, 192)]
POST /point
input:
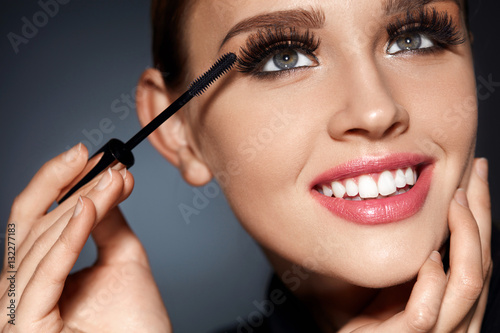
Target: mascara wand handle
[(116, 150), (113, 150)]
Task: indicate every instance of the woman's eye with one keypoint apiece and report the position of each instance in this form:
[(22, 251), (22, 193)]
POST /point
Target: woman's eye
[(287, 59), (410, 42)]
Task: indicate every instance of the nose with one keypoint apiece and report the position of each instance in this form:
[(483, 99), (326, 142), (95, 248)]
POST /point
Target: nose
[(370, 110)]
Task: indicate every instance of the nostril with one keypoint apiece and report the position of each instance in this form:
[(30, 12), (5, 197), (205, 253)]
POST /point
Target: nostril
[(357, 131), (396, 129)]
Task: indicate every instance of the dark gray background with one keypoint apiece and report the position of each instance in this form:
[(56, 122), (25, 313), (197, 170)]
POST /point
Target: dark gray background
[(64, 82)]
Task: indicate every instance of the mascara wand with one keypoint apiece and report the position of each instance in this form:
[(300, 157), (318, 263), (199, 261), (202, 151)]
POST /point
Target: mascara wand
[(116, 150)]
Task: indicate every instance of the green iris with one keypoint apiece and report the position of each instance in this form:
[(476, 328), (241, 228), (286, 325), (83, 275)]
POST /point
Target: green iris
[(286, 59), (409, 42)]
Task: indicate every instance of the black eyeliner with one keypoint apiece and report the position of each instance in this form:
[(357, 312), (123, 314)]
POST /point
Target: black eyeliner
[(439, 26), (267, 42)]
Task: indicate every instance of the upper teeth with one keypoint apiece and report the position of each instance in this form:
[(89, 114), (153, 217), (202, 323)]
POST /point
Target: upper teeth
[(389, 182)]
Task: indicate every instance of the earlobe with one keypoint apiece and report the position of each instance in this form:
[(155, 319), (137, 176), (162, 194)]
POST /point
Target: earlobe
[(170, 139)]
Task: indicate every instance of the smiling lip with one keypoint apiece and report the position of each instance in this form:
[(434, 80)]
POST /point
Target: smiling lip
[(377, 211)]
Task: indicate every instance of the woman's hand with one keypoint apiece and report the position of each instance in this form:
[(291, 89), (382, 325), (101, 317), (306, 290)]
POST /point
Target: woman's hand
[(116, 294), (456, 301)]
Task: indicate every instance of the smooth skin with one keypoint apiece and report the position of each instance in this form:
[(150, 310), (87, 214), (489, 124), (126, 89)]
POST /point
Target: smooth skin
[(50, 301)]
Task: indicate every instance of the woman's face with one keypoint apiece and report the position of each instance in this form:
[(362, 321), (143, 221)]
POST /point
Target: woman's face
[(350, 97)]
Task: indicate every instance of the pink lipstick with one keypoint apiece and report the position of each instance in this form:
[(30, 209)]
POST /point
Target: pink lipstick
[(375, 190)]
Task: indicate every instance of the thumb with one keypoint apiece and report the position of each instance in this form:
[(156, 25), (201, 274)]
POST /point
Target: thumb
[(116, 242)]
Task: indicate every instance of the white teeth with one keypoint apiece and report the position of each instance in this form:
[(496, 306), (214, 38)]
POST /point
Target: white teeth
[(338, 190), (351, 188), (400, 179), (386, 184), (409, 177), (367, 187), (327, 191), (390, 183)]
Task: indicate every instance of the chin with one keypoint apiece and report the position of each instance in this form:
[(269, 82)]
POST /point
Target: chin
[(380, 256), (383, 273)]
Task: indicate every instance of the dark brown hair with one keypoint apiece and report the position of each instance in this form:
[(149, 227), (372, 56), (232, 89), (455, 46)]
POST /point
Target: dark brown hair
[(169, 52), (168, 17)]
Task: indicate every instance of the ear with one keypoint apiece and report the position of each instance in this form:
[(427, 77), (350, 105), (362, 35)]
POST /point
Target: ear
[(170, 139)]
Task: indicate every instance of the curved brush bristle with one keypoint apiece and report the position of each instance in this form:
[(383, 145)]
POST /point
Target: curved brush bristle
[(221, 67)]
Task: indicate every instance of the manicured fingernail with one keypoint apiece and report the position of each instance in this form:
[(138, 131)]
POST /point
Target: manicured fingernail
[(482, 169), (436, 257), (461, 197), (123, 172), (105, 180), (79, 207), (73, 153)]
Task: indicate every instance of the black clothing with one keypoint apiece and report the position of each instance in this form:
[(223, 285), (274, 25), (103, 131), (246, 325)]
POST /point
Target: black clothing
[(282, 312)]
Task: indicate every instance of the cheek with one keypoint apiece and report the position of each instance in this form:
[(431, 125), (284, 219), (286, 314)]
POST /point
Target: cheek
[(250, 144), (442, 104), (256, 148), (259, 144)]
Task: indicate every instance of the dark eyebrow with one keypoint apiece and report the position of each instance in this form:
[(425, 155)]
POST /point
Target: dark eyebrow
[(397, 6), (313, 19)]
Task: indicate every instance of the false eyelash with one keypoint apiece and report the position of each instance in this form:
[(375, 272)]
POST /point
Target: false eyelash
[(266, 42), (437, 25)]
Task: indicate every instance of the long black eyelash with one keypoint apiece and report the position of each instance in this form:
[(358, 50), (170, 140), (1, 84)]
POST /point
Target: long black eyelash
[(266, 42), (437, 25)]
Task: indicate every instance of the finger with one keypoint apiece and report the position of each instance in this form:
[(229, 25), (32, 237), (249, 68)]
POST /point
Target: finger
[(47, 183), (104, 197), (423, 306), (55, 215), (45, 287), (479, 202), (128, 184), (116, 242), (466, 279), (108, 192), (83, 191), (477, 319)]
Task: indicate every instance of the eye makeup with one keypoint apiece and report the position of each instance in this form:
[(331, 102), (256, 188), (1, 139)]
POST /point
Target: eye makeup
[(436, 26), (266, 43)]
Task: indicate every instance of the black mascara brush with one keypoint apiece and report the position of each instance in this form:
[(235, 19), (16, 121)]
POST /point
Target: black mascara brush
[(116, 150)]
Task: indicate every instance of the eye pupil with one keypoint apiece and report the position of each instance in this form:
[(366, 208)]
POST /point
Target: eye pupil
[(410, 42), (286, 59)]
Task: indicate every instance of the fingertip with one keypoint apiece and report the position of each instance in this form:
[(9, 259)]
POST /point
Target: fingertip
[(124, 172), (84, 209), (481, 167), (79, 207), (433, 268), (461, 198), (436, 257), (119, 178), (74, 153), (423, 307), (128, 185)]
